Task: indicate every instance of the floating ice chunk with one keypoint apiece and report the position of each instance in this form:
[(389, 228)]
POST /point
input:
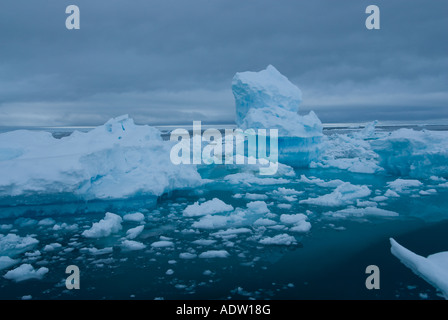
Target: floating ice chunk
[(360, 203), (255, 196), (12, 244), (35, 253), (25, 272), (391, 194), (286, 206), (292, 218), (204, 242), (321, 183), (301, 226), (134, 217), (264, 222), (6, 262), (162, 244), (379, 198), (98, 252), (132, 245), (433, 269), (279, 240), (427, 192), (52, 247), (211, 222), (134, 232), (231, 231), (187, 255), (27, 297), (105, 227), (207, 208), (214, 254), (169, 272), (344, 194), (257, 207), (361, 212), (249, 179), (403, 185), (64, 226), (46, 222), (443, 185), (299, 222), (6, 227)]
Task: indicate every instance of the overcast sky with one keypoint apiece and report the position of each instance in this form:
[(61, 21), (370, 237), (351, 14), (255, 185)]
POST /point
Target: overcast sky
[(172, 61)]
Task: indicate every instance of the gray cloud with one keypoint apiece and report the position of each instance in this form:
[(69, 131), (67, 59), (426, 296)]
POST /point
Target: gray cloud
[(171, 62)]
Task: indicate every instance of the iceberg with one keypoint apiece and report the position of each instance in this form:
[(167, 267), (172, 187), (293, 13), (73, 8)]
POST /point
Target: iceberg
[(417, 154), (433, 269), (114, 161), (268, 100)]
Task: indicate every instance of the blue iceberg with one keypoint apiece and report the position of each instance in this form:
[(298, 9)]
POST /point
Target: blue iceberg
[(268, 100)]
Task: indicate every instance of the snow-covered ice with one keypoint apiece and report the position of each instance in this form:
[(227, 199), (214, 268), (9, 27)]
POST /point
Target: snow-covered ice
[(116, 160), (12, 244), (207, 208), (344, 194), (105, 227), (433, 269), (134, 217), (25, 272)]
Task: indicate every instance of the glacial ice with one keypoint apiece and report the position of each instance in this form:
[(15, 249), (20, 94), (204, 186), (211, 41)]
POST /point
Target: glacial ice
[(416, 154), (268, 100), (116, 160), (433, 269)]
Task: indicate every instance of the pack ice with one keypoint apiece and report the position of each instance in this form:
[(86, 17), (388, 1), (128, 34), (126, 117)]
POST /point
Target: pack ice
[(268, 100)]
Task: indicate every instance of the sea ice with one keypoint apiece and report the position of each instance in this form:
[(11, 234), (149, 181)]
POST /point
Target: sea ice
[(344, 194), (361, 212), (132, 245), (134, 232), (257, 207), (134, 217), (162, 244), (12, 244), (207, 208), (214, 254), (279, 240), (433, 269), (25, 272), (105, 227), (6, 262)]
